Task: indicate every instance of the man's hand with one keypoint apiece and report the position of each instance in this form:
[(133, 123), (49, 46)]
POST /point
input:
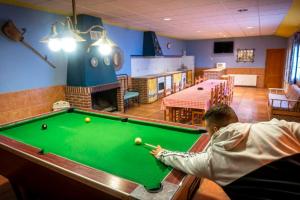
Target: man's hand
[(156, 151)]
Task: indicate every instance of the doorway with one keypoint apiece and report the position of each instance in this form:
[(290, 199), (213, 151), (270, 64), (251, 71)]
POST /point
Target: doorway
[(275, 61)]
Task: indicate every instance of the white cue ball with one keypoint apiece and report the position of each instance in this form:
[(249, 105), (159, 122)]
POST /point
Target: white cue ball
[(138, 140)]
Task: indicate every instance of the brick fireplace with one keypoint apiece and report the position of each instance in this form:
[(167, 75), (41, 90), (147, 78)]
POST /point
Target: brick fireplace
[(92, 86), (106, 97)]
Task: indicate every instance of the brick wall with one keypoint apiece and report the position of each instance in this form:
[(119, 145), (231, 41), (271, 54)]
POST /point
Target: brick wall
[(81, 97), (141, 85)]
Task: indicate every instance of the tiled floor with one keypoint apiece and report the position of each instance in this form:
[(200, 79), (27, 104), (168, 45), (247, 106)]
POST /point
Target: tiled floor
[(250, 104)]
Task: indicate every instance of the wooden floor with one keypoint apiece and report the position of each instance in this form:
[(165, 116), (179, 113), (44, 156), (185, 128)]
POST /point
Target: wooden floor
[(250, 104)]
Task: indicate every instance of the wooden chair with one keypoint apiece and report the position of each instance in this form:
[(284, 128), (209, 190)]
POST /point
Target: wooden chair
[(129, 93), (197, 115), (221, 93), (175, 88), (228, 93), (214, 96), (198, 80)]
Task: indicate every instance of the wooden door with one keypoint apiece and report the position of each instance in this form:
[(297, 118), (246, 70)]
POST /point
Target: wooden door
[(275, 61)]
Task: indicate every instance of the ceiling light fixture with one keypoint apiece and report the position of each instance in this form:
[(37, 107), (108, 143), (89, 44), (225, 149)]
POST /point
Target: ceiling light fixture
[(167, 19), (250, 27), (69, 36)]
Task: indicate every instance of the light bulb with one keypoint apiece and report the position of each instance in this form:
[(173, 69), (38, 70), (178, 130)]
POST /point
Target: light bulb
[(68, 44), (105, 49), (54, 44)]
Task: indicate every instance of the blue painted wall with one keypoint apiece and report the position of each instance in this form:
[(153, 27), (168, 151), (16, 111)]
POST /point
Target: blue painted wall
[(177, 46), (130, 41), (204, 56), (20, 68)]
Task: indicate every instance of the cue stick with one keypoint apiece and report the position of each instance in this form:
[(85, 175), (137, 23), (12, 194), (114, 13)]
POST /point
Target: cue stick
[(150, 145)]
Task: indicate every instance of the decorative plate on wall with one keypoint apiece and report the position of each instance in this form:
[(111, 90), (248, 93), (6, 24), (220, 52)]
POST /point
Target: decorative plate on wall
[(117, 58), (106, 60), (94, 61), (169, 45)]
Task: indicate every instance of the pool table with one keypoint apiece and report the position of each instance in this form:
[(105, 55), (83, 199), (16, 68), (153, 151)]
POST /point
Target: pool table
[(75, 159)]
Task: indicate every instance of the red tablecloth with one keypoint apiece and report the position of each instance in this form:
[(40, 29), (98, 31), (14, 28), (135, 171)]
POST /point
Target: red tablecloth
[(192, 97)]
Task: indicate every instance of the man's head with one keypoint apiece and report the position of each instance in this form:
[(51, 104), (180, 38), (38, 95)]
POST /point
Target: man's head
[(219, 116)]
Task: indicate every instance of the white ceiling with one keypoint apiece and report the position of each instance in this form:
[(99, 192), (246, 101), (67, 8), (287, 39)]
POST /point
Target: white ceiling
[(190, 19)]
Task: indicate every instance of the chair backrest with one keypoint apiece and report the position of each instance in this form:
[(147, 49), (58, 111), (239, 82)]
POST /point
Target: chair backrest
[(222, 93), (214, 96), (124, 81), (277, 180), (198, 79)]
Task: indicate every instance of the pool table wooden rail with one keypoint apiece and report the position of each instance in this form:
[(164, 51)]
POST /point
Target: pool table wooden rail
[(28, 170)]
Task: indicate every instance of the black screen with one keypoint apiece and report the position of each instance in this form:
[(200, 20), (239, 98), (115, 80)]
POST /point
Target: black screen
[(223, 47)]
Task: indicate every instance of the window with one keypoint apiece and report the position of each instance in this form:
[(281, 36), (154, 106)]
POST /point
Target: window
[(294, 60), (297, 62)]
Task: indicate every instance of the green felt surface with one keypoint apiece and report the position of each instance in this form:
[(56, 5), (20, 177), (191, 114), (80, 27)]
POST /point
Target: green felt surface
[(105, 143)]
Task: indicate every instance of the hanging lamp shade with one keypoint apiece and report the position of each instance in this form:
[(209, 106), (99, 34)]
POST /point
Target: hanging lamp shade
[(52, 35), (104, 40)]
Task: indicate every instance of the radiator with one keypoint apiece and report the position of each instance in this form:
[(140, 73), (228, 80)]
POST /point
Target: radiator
[(244, 80)]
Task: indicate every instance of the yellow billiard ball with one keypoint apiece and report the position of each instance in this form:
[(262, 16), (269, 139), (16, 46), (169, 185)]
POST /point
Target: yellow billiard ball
[(138, 140), (87, 119)]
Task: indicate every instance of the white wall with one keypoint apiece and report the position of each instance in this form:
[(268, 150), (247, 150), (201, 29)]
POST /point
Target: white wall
[(141, 66)]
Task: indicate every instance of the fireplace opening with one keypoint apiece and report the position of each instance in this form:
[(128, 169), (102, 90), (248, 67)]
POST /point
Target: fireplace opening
[(105, 100)]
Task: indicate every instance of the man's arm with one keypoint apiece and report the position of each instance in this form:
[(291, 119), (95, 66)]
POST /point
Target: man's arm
[(294, 127), (191, 163)]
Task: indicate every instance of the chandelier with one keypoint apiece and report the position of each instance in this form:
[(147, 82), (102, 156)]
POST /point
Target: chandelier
[(68, 36)]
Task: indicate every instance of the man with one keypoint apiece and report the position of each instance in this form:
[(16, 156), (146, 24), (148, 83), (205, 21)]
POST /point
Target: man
[(235, 149)]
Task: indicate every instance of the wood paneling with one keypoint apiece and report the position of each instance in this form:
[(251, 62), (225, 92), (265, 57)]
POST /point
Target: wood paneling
[(259, 71), (6, 192), (22, 104)]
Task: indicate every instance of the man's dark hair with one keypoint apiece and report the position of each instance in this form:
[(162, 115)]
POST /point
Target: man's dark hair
[(221, 115)]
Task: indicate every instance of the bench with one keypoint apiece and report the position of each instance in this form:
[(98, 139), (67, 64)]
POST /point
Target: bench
[(283, 103)]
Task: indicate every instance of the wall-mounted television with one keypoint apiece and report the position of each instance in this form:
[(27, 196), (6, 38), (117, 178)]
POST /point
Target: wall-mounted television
[(223, 47)]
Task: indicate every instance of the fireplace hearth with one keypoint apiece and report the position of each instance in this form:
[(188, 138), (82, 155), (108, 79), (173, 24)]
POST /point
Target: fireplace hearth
[(105, 100), (107, 97)]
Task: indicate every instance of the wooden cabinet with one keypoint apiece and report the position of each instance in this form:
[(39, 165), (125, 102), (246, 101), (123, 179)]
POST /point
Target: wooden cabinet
[(152, 90), (189, 77), (176, 81), (147, 86)]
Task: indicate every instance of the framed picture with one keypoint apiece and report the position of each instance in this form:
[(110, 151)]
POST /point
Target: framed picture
[(245, 55)]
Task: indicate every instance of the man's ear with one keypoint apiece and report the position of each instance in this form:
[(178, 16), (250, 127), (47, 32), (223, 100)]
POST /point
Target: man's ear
[(215, 128)]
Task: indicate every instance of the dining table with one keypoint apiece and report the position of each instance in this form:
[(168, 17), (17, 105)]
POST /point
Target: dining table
[(195, 97)]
